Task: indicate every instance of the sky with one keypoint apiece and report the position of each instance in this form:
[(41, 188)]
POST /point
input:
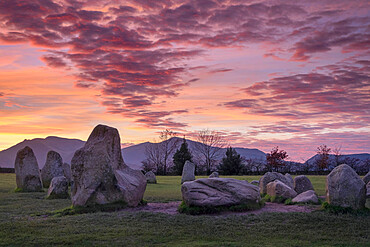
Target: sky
[(293, 74)]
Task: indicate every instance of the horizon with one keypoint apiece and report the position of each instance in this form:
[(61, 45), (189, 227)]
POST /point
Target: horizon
[(262, 73)]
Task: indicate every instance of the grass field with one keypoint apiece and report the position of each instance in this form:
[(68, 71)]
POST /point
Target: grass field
[(20, 227)]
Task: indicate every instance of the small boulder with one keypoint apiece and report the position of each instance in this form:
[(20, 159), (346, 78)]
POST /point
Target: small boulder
[(214, 175), (99, 174), (219, 192), (53, 168), (150, 177), (366, 179), (188, 172), (278, 188), (58, 188), (308, 196), (27, 173), (289, 181), (345, 188), (302, 184), (67, 172), (270, 177), (255, 182)]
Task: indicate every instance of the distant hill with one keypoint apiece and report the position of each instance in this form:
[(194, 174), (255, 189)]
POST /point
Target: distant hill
[(135, 154), (65, 147), (361, 157)]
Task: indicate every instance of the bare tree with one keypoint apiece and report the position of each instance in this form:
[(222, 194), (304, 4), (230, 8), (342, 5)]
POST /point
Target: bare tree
[(154, 158), (168, 147), (337, 155), (209, 145), (323, 157)]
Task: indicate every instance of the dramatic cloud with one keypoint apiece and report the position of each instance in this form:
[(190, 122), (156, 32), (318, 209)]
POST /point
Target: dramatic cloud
[(148, 59), (342, 93)]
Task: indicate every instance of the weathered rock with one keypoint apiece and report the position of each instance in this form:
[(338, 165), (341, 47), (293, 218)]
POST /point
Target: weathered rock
[(290, 181), (302, 184), (53, 168), (255, 182), (150, 177), (99, 174), (366, 179), (188, 172), (27, 173), (367, 204), (58, 188), (278, 188), (308, 196), (345, 188), (219, 192), (67, 172), (269, 177), (214, 175)]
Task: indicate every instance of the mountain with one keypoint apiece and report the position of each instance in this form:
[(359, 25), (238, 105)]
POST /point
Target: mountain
[(343, 157), (135, 154), (65, 147)]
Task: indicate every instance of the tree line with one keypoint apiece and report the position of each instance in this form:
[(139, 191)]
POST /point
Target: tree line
[(168, 157)]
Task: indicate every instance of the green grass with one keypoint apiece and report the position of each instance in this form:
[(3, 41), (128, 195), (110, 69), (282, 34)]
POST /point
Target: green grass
[(24, 222)]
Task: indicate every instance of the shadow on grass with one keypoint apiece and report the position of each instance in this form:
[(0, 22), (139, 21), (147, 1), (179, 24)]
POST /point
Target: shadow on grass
[(197, 210)]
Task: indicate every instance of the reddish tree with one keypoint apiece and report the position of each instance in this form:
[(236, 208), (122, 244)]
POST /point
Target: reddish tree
[(323, 157), (275, 159)]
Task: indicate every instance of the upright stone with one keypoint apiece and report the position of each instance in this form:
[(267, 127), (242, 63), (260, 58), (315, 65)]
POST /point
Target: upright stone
[(366, 179), (27, 173), (302, 184), (58, 188), (367, 204), (67, 172), (270, 177), (214, 175), (289, 180), (150, 177), (345, 188), (99, 174), (188, 172), (278, 188), (53, 168)]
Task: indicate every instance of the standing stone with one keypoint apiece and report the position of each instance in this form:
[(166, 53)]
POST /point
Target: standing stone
[(99, 174), (278, 188), (150, 177), (27, 173), (188, 172), (345, 188), (302, 184), (53, 168), (214, 175), (270, 177), (367, 204), (289, 181), (219, 192), (308, 196), (366, 179), (58, 188), (67, 172)]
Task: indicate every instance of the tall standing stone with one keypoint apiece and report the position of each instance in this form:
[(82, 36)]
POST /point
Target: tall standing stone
[(27, 171), (188, 172), (289, 180), (67, 172), (99, 174), (345, 188), (53, 168)]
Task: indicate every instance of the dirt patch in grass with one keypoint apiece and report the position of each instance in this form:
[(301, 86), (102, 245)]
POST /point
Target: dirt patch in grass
[(171, 208)]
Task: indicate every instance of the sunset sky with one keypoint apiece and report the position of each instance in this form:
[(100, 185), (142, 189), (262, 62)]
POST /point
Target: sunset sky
[(293, 74)]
